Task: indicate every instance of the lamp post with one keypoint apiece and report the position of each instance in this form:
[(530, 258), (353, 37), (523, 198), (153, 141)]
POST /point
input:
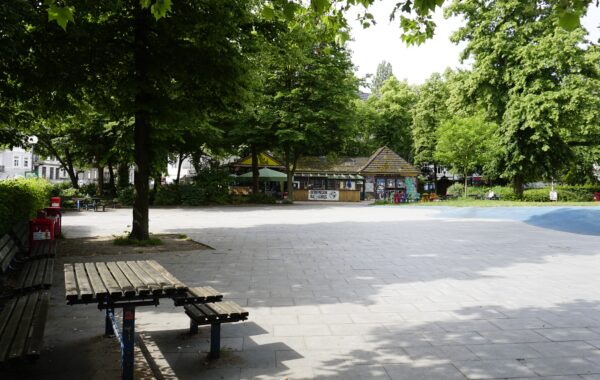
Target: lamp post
[(32, 140)]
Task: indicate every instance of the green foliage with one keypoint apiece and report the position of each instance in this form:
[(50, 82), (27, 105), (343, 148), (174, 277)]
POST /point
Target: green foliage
[(394, 109), (383, 73), (125, 195), (168, 195), (89, 189), (534, 79), (21, 199), (462, 143), (429, 112), (565, 193)]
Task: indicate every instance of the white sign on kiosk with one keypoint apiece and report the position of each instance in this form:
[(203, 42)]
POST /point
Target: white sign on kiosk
[(323, 195)]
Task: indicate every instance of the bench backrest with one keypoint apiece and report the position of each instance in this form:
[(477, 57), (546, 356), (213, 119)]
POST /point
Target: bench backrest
[(8, 250), (20, 233)]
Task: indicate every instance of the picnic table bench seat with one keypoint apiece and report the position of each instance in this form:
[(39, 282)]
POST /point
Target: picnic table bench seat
[(214, 314), (22, 322)]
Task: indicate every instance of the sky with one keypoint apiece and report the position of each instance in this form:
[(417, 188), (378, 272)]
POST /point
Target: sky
[(416, 63)]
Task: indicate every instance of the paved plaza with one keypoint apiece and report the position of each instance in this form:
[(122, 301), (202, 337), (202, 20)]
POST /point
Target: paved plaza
[(358, 292)]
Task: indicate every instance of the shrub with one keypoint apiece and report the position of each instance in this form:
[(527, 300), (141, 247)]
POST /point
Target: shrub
[(261, 198), (456, 189), (168, 195), (504, 193), (21, 198), (536, 195), (90, 189), (126, 195)]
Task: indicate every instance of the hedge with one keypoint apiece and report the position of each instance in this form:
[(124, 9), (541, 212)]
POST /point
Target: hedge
[(565, 193), (20, 199)]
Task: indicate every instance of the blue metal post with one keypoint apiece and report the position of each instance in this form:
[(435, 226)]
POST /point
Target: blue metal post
[(128, 341), (215, 340)]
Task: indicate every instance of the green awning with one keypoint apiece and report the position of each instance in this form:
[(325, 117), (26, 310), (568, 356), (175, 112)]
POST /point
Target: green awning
[(266, 174)]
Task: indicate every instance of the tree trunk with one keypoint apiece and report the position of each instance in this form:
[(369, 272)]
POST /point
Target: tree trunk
[(67, 162), (255, 173), (179, 163), (122, 175), (290, 167), (435, 179), (142, 128), (518, 185), (111, 179), (465, 175), (100, 188)]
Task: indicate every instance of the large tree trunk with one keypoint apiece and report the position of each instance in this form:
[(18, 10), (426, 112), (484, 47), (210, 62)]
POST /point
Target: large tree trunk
[(100, 188), (518, 184), (290, 168), (111, 179), (435, 179), (255, 173), (142, 128), (465, 175), (179, 163)]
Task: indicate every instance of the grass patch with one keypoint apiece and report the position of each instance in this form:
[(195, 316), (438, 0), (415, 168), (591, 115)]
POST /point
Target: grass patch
[(182, 237), (486, 203), (126, 240)]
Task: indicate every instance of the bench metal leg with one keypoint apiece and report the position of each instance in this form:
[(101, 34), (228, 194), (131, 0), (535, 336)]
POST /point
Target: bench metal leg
[(128, 341), (215, 341), (108, 323), (193, 327)]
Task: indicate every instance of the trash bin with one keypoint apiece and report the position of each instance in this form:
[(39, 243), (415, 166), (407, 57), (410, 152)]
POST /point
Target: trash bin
[(55, 202), (41, 229), (56, 214)]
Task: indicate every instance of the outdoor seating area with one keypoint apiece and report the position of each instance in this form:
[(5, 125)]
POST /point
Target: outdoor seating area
[(129, 285)]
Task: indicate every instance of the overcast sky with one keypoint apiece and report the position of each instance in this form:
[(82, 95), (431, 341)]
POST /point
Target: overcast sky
[(416, 63)]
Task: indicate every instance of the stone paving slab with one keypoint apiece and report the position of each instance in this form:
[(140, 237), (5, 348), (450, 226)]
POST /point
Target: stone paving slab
[(358, 292)]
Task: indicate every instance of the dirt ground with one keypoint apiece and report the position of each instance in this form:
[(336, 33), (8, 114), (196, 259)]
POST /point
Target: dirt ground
[(104, 245)]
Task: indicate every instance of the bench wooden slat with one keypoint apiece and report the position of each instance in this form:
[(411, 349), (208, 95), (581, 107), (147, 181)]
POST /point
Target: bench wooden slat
[(174, 281), (20, 340), (70, 283), (39, 323), (85, 289), (31, 273), (6, 313), (11, 328), (231, 312), (138, 284), (146, 279), (98, 288), (7, 254), (48, 274), (218, 309), (217, 312), (206, 293), (164, 283), (201, 313), (110, 283), (124, 284), (235, 308)]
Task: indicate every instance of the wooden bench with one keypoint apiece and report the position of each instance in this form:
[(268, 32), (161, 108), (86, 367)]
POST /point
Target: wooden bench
[(22, 274), (22, 322), (214, 314)]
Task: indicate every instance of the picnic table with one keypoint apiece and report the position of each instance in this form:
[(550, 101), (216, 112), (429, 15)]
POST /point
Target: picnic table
[(127, 285)]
